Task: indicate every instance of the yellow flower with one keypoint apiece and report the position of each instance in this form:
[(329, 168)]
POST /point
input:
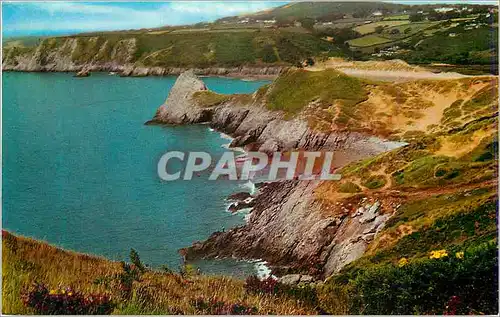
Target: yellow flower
[(70, 293), (53, 292), (459, 255), (402, 262), (63, 291), (437, 254)]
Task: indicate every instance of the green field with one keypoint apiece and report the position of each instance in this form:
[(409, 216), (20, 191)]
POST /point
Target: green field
[(368, 40), (407, 29), (398, 17), (371, 27)]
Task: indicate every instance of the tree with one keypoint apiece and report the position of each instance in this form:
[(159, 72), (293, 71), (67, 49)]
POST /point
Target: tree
[(340, 36), (379, 29), (416, 17), (307, 23)]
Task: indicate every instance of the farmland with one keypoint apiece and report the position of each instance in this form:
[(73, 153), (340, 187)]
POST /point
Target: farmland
[(372, 27), (289, 35), (368, 40)]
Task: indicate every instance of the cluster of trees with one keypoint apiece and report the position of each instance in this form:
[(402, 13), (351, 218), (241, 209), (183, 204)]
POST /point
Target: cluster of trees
[(340, 36)]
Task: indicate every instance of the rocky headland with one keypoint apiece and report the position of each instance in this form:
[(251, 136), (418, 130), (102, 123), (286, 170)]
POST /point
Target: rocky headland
[(287, 226), (393, 143)]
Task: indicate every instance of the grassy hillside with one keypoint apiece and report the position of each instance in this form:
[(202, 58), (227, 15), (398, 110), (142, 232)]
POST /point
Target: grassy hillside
[(438, 252), (319, 10), (476, 46), (188, 48), (68, 274)]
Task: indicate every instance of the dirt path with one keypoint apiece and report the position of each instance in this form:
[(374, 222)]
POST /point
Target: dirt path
[(390, 71)]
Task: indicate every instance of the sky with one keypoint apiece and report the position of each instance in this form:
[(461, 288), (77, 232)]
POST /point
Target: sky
[(57, 17)]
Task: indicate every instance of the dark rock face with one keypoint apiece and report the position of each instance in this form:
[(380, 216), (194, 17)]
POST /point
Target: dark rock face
[(287, 226), (241, 196)]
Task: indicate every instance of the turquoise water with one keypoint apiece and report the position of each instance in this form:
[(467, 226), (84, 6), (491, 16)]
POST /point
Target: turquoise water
[(79, 168)]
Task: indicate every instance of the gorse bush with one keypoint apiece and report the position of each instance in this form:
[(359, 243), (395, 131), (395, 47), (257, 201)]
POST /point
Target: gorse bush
[(460, 283), (65, 302)]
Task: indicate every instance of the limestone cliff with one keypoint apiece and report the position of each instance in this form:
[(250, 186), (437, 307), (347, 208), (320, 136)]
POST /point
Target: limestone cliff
[(95, 53)]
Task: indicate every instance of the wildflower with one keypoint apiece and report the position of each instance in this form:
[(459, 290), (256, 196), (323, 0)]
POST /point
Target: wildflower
[(70, 294), (459, 255), (53, 292), (437, 254), (402, 262)]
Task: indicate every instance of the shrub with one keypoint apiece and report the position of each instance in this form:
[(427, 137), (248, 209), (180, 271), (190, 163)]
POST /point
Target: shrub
[(126, 279), (349, 187), (460, 283), (65, 302), (254, 285), (136, 260), (375, 182)]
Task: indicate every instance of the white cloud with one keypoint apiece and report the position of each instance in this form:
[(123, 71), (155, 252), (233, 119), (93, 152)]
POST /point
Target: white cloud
[(57, 16), (229, 8)]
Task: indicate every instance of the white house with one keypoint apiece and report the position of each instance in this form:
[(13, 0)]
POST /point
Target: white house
[(443, 10)]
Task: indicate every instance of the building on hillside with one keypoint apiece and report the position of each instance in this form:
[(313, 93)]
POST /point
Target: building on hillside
[(443, 10), (377, 14)]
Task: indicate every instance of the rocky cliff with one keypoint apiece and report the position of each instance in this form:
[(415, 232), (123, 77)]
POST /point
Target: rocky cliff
[(125, 55), (288, 226), (317, 227)]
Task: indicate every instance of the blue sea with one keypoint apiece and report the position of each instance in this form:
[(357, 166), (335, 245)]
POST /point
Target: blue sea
[(79, 168)]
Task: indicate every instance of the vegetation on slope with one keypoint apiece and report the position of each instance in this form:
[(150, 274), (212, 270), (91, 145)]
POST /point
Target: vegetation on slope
[(296, 89), (198, 48), (438, 251), (207, 98), (322, 10), (457, 281), (476, 46), (130, 288)]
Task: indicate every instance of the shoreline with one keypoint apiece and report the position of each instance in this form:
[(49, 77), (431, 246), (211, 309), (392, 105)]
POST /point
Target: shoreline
[(243, 72)]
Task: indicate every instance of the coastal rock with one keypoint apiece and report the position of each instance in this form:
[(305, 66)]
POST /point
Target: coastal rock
[(118, 56), (353, 237), (83, 73), (306, 279), (179, 107), (287, 226), (290, 279), (241, 196)]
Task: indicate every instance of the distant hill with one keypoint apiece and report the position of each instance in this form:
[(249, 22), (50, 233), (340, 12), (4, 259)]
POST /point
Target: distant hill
[(284, 36), (317, 10)]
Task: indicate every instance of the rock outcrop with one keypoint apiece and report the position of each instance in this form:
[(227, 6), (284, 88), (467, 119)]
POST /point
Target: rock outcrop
[(180, 107), (83, 73), (287, 227)]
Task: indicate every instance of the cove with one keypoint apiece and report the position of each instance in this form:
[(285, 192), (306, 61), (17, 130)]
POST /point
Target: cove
[(79, 168)]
